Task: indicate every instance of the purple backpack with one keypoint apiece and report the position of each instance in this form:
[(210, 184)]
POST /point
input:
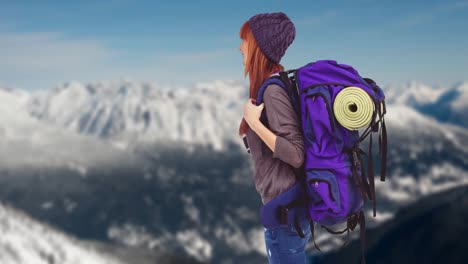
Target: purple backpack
[(334, 184)]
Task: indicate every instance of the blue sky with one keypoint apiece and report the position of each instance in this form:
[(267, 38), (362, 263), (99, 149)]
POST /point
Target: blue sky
[(43, 43)]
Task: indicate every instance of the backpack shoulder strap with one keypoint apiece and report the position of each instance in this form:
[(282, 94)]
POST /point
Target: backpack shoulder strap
[(261, 92), (289, 86), (272, 80)]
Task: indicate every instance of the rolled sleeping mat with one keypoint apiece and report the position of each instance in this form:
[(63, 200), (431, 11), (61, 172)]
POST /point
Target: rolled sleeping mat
[(353, 108)]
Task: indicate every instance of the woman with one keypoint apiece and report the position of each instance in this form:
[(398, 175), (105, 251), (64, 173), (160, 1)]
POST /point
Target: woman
[(265, 38)]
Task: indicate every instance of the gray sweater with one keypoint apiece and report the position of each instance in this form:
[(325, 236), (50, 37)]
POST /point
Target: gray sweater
[(273, 170)]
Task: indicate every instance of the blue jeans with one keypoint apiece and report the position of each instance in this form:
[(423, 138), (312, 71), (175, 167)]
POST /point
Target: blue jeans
[(284, 245)]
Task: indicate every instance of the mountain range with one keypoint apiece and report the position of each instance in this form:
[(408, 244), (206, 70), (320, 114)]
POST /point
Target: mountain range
[(446, 104), (25, 240), (149, 167)]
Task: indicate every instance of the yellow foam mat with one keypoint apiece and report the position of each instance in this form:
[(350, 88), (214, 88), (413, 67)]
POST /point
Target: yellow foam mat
[(353, 108)]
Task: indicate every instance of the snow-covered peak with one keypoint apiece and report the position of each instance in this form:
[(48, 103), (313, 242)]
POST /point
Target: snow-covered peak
[(129, 112), (224, 89), (26, 241), (446, 104), (28, 142), (13, 99), (461, 103), (417, 128), (207, 113), (411, 92)]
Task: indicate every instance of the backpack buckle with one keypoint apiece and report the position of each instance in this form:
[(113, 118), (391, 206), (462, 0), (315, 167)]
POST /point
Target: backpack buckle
[(352, 221), (244, 138), (355, 152)]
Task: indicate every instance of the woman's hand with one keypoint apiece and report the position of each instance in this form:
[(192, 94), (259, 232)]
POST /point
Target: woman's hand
[(252, 112)]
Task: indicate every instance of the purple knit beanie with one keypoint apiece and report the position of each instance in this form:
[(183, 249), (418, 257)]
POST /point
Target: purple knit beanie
[(274, 32)]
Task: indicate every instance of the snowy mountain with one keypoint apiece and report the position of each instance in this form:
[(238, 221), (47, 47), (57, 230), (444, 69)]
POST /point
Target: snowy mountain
[(208, 113), (25, 241), (135, 186), (30, 143), (411, 93), (446, 104), (130, 111), (197, 204)]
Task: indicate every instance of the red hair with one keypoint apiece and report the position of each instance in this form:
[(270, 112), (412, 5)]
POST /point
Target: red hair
[(258, 67)]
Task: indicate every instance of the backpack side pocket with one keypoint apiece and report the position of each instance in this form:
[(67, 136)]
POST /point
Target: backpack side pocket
[(323, 183)]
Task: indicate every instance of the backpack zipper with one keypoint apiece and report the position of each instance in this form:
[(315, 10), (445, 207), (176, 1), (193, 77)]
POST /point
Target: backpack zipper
[(332, 124), (328, 184)]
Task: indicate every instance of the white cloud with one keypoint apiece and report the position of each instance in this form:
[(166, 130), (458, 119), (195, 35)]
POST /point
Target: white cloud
[(188, 62), (195, 57), (43, 59), (182, 69), (39, 60), (48, 52), (417, 19), (421, 18), (458, 5), (317, 20), (195, 245)]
